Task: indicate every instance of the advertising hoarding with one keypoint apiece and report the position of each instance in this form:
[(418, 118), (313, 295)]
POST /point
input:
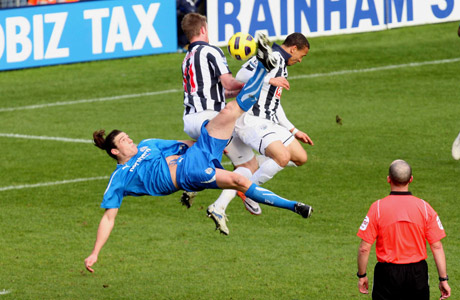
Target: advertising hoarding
[(278, 18), (95, 30)]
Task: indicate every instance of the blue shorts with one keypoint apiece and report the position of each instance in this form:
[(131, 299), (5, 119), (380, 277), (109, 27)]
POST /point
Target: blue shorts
[(196, 169)]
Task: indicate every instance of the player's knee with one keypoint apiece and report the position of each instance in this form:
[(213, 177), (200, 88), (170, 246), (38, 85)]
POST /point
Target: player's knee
[(239, 180), (283, 158), (252, 165), (301, 159), (226, 111), (232, 110)]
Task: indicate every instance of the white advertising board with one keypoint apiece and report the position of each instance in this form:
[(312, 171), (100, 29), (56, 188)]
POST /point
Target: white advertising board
[(279, 18)]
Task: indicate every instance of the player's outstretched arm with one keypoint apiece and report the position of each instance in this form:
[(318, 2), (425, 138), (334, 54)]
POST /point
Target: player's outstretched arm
[(230, 83), (103, 233), (231, 93), (302, 136), (280, 82), (283, 120)]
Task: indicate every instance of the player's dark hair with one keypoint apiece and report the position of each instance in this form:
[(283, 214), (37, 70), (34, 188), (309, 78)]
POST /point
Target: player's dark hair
[(106, 143), (191, 24), (400, 172), (298, 40)]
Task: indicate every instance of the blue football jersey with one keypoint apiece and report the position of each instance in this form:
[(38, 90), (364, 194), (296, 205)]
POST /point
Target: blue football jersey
[(146, 173)]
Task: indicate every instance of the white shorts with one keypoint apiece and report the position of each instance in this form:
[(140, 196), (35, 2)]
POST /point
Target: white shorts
[(259, 133), (236, 150), (193, 122)]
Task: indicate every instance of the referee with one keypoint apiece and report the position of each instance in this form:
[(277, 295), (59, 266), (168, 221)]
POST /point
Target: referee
[(401, 224)]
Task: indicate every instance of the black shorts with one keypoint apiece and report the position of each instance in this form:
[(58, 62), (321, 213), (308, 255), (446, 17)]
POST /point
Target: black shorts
[(401, 281)]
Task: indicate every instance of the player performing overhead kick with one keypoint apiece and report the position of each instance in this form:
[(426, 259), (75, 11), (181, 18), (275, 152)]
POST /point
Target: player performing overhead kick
[(208, 83), (161, 167)]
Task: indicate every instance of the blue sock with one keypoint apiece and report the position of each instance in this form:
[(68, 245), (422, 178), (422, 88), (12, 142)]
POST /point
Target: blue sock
[(250, 93), (265, 196)]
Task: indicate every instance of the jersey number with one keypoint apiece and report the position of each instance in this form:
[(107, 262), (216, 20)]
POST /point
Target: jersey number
[(189, 78)]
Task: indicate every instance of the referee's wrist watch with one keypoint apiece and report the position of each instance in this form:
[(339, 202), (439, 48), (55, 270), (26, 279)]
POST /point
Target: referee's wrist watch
[(444, 278), (361, 276)]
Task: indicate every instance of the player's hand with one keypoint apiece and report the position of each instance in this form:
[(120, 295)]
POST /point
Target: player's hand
[(303, 137), (280, 82), (363, 285), (89, 261)]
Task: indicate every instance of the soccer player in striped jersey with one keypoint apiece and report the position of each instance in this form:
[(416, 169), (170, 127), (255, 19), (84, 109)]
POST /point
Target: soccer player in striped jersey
[(161, 167), (208, 82), (265, 127)]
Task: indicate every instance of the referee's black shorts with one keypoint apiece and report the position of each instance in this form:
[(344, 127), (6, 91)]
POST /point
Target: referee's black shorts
[(401, 281)]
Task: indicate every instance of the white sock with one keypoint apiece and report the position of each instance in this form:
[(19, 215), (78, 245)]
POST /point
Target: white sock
[(266, 172), (261, 159), (227, 195), (291, 164)]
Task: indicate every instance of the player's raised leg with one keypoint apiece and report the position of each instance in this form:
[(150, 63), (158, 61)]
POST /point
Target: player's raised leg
[(226, 179), (221, 127), (229, 180)]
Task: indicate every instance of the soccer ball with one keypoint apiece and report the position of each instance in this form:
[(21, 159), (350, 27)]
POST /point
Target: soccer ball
[(241, 46)]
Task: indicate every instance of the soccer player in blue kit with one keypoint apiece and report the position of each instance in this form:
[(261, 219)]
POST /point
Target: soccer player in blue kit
[(161, 167)]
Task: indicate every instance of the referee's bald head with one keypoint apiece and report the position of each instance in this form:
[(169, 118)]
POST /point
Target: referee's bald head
[(400, 172)]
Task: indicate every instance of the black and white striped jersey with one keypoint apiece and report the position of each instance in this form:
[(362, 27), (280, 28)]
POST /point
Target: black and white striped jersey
[(269, 100), (201, 69)]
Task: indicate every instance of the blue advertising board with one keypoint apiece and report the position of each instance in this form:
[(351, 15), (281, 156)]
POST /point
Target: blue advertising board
[(95, 30)]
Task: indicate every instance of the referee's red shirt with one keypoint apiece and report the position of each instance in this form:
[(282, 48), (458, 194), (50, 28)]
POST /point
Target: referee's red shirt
[(401, 223)]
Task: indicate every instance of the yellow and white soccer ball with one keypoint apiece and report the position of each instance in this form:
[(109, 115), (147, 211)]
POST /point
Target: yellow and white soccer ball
[(242, 46)]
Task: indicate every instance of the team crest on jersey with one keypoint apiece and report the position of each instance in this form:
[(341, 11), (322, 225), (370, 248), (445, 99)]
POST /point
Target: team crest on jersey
[(142, 149), (439, 223), (278, 92), (364, 224)]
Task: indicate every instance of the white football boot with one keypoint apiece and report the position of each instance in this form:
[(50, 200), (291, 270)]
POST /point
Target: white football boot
[(219, 218)]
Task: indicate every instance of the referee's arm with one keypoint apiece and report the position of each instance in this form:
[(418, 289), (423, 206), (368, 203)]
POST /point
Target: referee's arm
[(363, 257), (440, 260)]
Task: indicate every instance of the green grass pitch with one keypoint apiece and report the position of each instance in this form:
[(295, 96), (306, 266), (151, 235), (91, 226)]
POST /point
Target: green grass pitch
[(158, 249)]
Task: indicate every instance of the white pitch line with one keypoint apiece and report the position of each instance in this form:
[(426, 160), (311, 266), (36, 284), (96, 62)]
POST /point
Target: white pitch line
[(46, 138), (44, 184), (335, 73), (382, 68), (390, 67), (60, 139), (26, 186), (6, 109)]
